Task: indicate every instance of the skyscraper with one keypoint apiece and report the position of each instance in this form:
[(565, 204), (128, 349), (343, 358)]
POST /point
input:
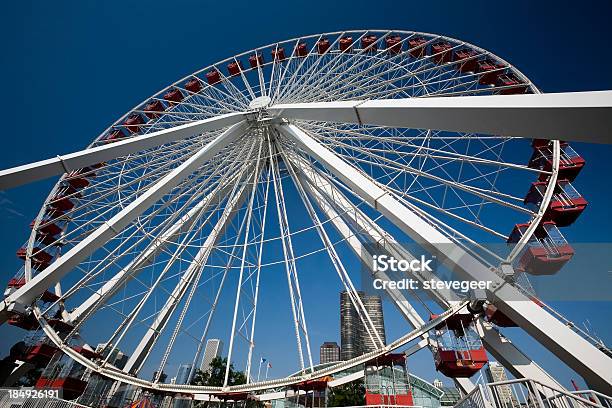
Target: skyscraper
[(354, 338), (213, 349), (496, 372), (182, 376), (329, 352)]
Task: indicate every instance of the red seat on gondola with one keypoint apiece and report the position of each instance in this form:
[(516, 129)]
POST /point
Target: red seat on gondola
[(278, 54), (417, 47), (174, 96), (133, 123), (346, 44), (234, 68), (213, 77), (440, 52), (512, 82), (368, 43), (546, 251), (153, 109), (570, 162), (458, 350), (565, 206), (301, 50), (495, 316), (489, 71), (114, 135), (323, 45), (394, 44), (255, 60), (78, 179), (466, 60)]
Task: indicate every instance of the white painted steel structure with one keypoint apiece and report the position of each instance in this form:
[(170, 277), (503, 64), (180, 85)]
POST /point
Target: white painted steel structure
[(373, 142)]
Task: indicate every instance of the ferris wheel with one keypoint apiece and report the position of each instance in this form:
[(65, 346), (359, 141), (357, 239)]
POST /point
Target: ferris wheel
[(312, 150)]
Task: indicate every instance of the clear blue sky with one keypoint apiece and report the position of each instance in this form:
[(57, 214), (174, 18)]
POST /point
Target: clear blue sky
[(70, 68)]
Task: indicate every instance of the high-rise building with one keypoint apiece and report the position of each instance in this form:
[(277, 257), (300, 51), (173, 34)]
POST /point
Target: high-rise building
[(213, 349), (329, 352), (182, 376), (496, 372), (354, 338)]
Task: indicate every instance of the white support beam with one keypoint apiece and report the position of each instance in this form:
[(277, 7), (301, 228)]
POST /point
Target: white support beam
[(575, 351), (68, 261), (140, 354), (573, 116), (28, 173)]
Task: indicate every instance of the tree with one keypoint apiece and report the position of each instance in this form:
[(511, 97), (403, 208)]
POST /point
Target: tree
[(215, 375), (351, 394)]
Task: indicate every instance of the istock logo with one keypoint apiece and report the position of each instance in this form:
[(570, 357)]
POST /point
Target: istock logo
[(384, 263)]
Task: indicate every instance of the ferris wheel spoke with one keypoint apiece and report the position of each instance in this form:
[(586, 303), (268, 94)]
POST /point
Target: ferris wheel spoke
[(289, 261), (337, 262)]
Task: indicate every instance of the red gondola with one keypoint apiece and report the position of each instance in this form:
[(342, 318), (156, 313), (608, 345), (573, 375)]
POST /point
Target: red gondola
[(546, 251), (440, 52), (346, 44), (17, 282), (65, 374), (394, 44), (417, 47), (78, 178), (255, 60), (514, 84), (301, 50), (489, 71), (570, 162), (212, 77), (40, 353), (387, 381), (153, 109), (278, 54), (565, 206), (47, 228), (368, 43), (458, 351), (40, 259), (466, 60), (495, 316), (133, 123), (26, 322), (114, 135), (62, 202), (174, 96), (194, 85), (234, 68), (323, 45)]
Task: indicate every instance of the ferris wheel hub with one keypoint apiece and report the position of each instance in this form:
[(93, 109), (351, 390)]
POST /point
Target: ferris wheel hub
[(260, 103)]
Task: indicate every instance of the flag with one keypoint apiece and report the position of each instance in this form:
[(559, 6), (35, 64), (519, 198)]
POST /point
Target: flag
[(269, 365), (263, 360)]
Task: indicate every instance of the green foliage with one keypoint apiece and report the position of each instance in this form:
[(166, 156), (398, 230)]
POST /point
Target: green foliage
[(350, 394), (216, 374)]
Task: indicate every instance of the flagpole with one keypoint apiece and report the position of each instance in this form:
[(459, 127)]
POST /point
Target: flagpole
[(259, 369), (267, 367)]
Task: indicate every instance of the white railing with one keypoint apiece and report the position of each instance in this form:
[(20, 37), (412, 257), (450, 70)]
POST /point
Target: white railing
[(526, 393)]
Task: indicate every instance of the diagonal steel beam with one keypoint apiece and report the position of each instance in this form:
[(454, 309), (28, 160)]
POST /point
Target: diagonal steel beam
[(575, 351), (28, 173), (574, 116), (64, 264)]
